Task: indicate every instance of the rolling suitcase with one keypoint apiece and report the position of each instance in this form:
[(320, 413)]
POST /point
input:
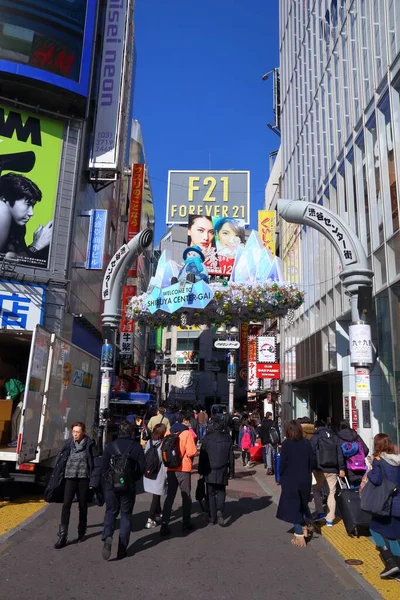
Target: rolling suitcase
[(348, 500)]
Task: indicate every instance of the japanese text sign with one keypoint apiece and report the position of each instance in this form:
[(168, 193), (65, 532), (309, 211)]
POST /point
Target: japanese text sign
[(266, 349), (126, 344), (269, 371), (360, 344), (333, 228), (252, 379), (21, 305), (267, 228), (95, 247), (127, 325)]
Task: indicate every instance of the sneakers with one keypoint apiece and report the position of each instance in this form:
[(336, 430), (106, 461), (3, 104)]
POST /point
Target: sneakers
[(319, 517), (106, 552), (164, 530), (329, 523), (150, 524)]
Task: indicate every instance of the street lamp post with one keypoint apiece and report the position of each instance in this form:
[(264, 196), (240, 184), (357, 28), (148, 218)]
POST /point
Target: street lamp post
[(228, 340)]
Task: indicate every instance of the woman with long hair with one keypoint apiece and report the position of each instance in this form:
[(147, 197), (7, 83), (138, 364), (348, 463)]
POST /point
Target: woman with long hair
[(296, 466), (247, 439), (156, 485), (385, 531), (79, 466)]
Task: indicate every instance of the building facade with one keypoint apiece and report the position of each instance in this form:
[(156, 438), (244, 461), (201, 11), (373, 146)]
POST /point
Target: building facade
[(340, 148), (65, 121)]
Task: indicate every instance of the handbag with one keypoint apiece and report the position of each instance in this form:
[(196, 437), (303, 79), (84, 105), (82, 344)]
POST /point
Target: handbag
[(378, 499), (201, 493)]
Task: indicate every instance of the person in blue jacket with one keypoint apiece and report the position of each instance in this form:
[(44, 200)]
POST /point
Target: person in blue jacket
[(385, 531)]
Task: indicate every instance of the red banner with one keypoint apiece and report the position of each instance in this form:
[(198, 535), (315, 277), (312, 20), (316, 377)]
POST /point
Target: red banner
[(135, 208), (252, 348), (268, 370), (127, 326)]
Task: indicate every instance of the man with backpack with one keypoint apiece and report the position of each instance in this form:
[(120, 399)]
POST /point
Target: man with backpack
[(122, 464), (270, 438), (330, 461), (354, 451), (178, 450)]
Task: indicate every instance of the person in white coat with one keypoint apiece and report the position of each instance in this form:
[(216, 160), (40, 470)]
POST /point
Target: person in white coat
[(157, 486)]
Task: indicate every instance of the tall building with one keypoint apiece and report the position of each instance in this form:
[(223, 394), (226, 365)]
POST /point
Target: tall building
[(340, 122), (65, 119)]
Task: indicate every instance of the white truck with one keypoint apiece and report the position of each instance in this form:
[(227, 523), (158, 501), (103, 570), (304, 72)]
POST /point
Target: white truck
[(61, 388)]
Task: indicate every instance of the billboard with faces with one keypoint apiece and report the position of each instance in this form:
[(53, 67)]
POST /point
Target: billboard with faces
[(219, 239)]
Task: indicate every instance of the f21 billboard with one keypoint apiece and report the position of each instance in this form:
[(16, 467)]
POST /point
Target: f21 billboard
[(48, 40), (212, 194)]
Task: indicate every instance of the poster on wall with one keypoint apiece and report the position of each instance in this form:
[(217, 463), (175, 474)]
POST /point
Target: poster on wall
[(30, 152), (266, 348), (219, 238)]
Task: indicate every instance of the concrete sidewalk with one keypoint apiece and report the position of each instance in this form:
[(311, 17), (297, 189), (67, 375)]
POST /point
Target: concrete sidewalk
[(350, 548)]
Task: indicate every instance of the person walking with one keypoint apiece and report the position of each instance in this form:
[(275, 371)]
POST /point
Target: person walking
[(202, 419), (296, 466), (247, 439), (180, 477), (155, 483), (129, 454), (235, 427), (159, 418), (81, 452), (217, 465), (270, 438), (354, 451), (330, 464), (385, 531), (307, 427)]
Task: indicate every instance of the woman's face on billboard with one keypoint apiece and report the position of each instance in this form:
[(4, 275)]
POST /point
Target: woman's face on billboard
[(201, 232), (228, 237)]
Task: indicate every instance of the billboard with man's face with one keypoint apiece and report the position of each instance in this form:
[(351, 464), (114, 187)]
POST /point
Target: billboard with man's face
[(30, 152), (212, 194)]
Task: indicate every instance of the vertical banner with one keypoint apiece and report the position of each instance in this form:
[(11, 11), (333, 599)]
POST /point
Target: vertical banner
[(30, 153), (252, 376), (266, 349), (244, 334), (127, 325), (135, 208), (159, 339), (267, 228), (95, 247)]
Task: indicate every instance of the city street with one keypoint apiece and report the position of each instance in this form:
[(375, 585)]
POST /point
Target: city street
[(250, 559)]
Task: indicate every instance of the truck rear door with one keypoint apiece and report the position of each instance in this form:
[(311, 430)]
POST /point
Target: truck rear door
[(27, 446)]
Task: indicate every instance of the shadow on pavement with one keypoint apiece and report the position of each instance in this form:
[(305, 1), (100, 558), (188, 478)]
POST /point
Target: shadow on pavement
[(244, 506)]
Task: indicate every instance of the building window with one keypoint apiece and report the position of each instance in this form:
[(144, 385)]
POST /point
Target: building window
[(375, 179), (388, 166), (361, 169), (168, 346)]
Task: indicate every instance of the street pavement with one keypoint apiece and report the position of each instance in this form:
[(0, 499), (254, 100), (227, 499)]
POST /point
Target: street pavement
[(251, 558)]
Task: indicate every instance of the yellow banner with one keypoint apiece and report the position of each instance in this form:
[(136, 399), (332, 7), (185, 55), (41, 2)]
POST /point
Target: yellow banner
[(267, 228)]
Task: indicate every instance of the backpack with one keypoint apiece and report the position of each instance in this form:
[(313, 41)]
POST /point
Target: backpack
[(152, 461), (356, 460), (170, 451), (121, 472), (273, 436), (246, 440), (327, 451), (146, 434)]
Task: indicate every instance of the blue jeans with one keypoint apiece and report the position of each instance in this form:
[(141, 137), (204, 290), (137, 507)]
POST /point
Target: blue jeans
[(298, 528), (268, 454), (394, 545), (116, 503), (202, 432)]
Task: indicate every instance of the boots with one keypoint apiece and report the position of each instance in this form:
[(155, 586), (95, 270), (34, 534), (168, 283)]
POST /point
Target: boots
[(62, 537), (81, 531), (391, 564)]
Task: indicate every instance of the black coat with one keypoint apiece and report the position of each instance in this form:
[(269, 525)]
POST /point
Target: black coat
[(216, 462), (265, 428), (136, 452), (315, 440), (297, 463), (350, 435)]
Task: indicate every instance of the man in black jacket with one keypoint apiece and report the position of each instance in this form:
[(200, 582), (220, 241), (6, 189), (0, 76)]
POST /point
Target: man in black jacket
[(216, 465), (270, 438), (330, 461), (120, 502)]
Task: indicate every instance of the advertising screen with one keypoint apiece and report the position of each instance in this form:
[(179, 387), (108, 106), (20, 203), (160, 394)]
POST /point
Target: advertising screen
[(48, 40), (30, 152), (210, 194), (219, 239)]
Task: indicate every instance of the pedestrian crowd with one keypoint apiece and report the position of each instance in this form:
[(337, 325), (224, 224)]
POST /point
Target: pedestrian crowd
[(314, 461)]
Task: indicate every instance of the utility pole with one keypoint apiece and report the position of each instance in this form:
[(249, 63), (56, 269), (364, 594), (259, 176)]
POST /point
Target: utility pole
[(113, 281), (355, 276)]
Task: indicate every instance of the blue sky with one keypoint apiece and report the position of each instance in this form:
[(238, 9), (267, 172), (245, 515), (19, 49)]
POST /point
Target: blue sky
[(198, 91)]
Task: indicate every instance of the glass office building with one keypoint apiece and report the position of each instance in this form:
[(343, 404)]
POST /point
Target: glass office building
[(340, 119)]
